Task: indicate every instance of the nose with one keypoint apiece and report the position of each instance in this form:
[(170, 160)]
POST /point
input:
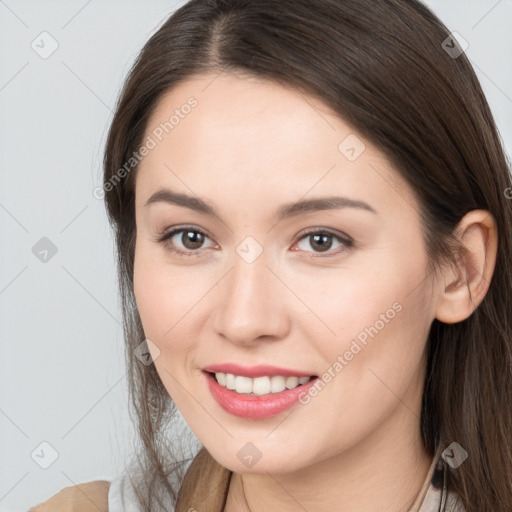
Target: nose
[(251, 305)]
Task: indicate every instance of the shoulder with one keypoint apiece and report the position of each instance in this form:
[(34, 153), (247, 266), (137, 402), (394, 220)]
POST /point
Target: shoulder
[(83, 497)]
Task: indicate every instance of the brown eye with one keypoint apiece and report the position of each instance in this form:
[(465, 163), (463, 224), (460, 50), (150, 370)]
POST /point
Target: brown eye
[(191, 240), (322, 242)]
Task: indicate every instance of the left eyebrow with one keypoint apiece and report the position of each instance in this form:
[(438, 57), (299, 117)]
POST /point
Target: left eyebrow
[(286, 211)]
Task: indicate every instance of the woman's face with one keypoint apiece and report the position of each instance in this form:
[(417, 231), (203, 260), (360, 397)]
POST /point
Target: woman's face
[(277, 278)]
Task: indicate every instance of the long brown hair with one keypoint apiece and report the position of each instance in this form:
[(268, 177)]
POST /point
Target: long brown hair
[(384, 68)]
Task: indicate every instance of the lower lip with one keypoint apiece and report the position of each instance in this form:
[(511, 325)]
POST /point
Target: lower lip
[(253, 406)]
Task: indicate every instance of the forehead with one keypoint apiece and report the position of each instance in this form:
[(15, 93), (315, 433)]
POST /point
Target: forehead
[(254, 113), (249, 133)]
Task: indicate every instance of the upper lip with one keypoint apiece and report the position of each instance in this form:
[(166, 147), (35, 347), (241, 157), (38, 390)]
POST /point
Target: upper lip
[(261, 370)]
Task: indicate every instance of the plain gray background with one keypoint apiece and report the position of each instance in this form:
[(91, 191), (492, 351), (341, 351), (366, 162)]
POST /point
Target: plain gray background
[(62, 362)]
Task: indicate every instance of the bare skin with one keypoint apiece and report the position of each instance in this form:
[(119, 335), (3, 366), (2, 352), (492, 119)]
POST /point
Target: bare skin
[(247, 148)]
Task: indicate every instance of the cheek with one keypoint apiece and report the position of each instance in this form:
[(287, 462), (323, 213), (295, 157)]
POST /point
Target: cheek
[(355, 302), (165, 293), (375, 367), (380, 321), (163, 298), (171, 301)]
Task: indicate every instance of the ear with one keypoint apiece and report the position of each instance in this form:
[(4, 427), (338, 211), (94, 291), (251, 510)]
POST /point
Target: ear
[(462, 292)]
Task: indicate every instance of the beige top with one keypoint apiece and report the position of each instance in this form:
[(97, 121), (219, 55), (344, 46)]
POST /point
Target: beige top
[(90, 496)]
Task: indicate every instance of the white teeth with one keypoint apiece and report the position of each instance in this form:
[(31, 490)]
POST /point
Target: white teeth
[(230, 380), (243, 384), (277, 383), (259, 385), (221, 378), (292, 382)]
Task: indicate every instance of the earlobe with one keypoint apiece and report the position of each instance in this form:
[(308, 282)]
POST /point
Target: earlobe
[(462, 293)]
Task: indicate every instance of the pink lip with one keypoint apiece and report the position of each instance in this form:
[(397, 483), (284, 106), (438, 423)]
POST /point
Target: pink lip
[(261, 370), (253, 406)]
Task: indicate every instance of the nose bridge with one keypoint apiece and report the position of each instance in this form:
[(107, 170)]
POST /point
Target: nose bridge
[(246, 309)]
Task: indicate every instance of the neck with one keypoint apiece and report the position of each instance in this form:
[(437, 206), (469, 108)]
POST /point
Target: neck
[(380, 473)]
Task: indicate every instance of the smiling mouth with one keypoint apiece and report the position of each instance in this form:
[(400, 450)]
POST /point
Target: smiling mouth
[(259, 386)]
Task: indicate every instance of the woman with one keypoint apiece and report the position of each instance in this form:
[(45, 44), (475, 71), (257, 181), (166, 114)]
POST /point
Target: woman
[(311, 206)]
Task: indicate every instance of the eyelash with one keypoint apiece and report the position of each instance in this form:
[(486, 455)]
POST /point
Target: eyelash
[(163, 239)]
